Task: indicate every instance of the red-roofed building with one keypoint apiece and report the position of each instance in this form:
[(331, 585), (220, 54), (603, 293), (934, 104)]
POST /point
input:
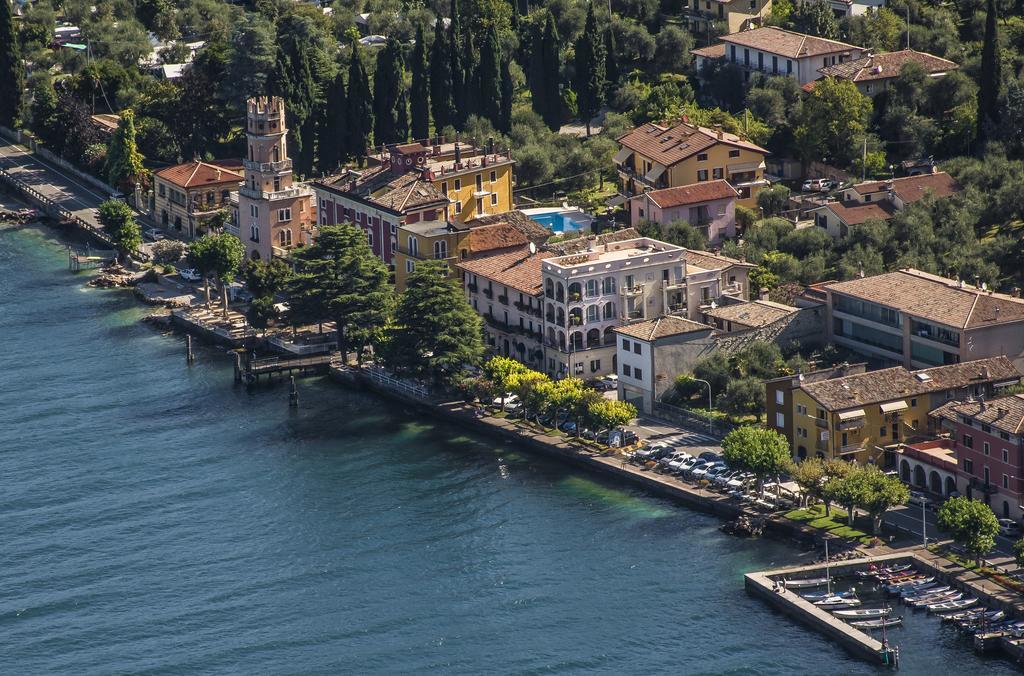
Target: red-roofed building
[(710, 207), (186, 195), (873, 73)]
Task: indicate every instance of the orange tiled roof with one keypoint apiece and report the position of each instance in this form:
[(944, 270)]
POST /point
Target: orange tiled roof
[(515, 268), (886, 66), (667, 146), (912, 188), (198, 173), (787, 43), (662, 327), (695, 193), (1003, 413), (855, 213)]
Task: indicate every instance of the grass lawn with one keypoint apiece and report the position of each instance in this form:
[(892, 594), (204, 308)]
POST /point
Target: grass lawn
[(834, 524)]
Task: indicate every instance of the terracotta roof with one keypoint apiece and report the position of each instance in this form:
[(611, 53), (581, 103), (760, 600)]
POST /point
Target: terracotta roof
[(787, 43), (409, 191), (667, 146), (934, 298), (531, 230), (716, 51), (1002, 413), (662, 327), (497, 236), (886, 66), (912, 188), (756, 313), (579, 244), (712, 261), (854, 213), (515, 268), (197, 173), (895, 383), (695, 193)]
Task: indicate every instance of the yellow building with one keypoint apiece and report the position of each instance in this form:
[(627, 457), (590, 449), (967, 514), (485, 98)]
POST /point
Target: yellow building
[(736, 15), (652, 157), (856, 417)]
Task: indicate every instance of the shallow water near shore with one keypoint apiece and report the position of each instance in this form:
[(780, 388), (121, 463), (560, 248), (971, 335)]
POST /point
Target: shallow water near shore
[(158, 519)]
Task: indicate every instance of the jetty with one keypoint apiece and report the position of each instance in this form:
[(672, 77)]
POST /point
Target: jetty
[(249, 370)]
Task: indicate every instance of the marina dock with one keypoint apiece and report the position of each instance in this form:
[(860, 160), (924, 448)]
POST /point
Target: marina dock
[(249, 370)]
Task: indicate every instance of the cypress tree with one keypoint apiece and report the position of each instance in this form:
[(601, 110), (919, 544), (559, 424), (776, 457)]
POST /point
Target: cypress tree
[(456, 68), (590, 70), (551, 93), (12, 74), (44, 115), (471, 80), (988, 92), (358, 108), (124, 161), (489, 77), (536, 77), (420, 108), (333, 124), (441, 102), (294, 81), (389, 115), (504, 122), (611, 63)]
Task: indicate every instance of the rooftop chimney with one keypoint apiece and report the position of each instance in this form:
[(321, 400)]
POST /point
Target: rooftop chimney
[(490, 145), (763, 293), (458, 153), (718, 131), (986, 372)]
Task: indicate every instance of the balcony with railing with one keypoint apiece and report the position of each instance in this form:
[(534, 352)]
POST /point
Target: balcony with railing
[(489, 292), (503, 299), (268, 167), (287, 193), (635, 290)]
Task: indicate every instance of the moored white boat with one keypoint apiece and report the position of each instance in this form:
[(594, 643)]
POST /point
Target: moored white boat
[(863, 613), (807, 583), (838, 602), (878, 624), (951, 605), (821, 596), (944, 597)]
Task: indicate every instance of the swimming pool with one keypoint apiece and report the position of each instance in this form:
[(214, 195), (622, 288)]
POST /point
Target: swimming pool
[(558, 223)]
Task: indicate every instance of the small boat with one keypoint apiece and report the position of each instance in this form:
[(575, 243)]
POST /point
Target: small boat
[(873, 571), (955, 604), (879, 623), (838, 602), (918, 583), (918, 593), (821, 596), (807, 583), (927, 599), (862, 613)]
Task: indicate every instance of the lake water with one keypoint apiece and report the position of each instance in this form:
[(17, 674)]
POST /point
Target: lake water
[(157, 519)]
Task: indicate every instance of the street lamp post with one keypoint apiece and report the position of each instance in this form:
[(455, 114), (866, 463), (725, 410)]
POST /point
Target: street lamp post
[(710, 423)]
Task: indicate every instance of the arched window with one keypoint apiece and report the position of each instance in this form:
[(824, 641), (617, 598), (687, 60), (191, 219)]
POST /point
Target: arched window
[(285, 237), (609, 310), (608, 286), (440, 249), (549, 288), (560, 292), (592, 288), (254, 232), (593, 313)]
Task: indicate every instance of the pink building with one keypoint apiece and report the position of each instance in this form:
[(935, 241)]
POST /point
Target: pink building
[(709, 206), (988, 441)]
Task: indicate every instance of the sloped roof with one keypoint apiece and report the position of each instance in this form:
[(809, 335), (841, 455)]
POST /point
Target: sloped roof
[(515, 268), (855, 213), (695, 193), (934, 298), (715, 51), (1002, 413), (662, 327), (517, 220), (667, 146), (197, 173), (786, 43), (894, 383), (886, 66), (580, 243), (712, 261), (755, 313), (913, 188)]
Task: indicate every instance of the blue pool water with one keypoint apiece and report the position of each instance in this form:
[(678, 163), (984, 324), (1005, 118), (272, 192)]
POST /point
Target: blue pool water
[(557, 223)]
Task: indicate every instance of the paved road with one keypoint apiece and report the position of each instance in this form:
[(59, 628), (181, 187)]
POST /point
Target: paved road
[(694, 442), (74, 195)]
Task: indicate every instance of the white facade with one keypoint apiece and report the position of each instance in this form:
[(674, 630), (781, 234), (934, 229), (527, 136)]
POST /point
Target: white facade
[(513, 326), (636, 372), (804, 69)]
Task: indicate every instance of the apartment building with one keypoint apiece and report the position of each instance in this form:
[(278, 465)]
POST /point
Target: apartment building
[(857, 417), (274, 214), (918, 319), (428, 181), (653, 157), (873, 73), (988, 441), (779, 395), (736, 15), (710, 207), (774, 51), (187, 195)]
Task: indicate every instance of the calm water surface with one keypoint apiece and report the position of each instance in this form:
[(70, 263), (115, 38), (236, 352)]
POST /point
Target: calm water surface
[(156, 519)]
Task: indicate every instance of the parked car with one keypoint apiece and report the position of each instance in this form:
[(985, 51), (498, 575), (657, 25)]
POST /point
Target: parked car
[(154, 235), (723, 478), (190, 275), (740, 481), (817, 185), (688, 465), (1009, 528), (509, 402), (701, 472), (715, 471), (711, 456), (608, 383), (698, 465), (681, 457), (918, 499)]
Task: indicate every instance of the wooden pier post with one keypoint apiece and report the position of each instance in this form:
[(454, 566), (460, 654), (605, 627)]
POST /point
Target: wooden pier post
[(293, 394), (190, 357), (238, 367)]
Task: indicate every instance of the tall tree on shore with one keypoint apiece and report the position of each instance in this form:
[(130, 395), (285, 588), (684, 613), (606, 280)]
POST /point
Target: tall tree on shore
[(456, 67), (488, 74), (590, 70), (419, 107), (508, 92), (119, 222), (359, 107), (436, 331), (44, 115), (12, 73), (124, 161), (991, 76), (333, 126), (441, 99), (551, 93), (611, 63), (296, 79), (390, 121)]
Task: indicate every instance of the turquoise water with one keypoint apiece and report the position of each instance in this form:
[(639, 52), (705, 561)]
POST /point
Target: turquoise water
[(157, 519), (557, 223)]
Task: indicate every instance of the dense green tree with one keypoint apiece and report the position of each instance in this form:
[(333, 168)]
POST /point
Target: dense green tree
[(266, 278), (742, 397), (591, 82), (419, 99), (202, 110), (12, 71), (441, 88), (550, 64), (359, 107), (74, 131), (157, 141), (508, 93), (774, 200), (1018, 553), (158, 17), (457, 68), (834, 122), (44, 114), (607, 414), (333, 126), (488, 74), (218, 255), (760, 451), (251, 59), (38, 22), (118, 220), (611, 63), (124, 161), (390, 121), (301, 66), (436, 332), (991, 77), (815, 18), (261, 312), (672, 47), (878, 493), (971, 523), (715, 369)]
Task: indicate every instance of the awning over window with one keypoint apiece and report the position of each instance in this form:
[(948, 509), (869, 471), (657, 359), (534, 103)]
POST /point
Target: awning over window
[(741, 167), (851, 415), (656, 171), (622, 155), (894, 406), (616, 200)]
